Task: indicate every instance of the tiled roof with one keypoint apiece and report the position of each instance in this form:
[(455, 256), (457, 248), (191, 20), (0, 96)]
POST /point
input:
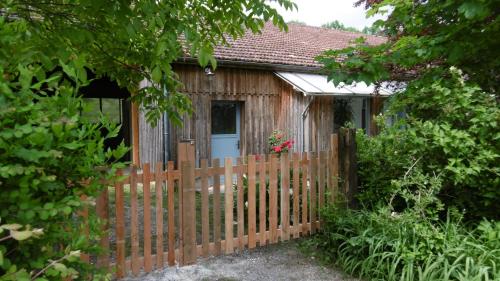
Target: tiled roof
[(298, 47)]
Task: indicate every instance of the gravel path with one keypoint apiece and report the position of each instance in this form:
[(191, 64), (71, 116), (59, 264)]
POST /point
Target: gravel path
[(283, 261)]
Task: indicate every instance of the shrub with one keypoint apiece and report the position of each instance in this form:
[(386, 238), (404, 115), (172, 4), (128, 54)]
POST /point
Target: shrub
[(414, 244), (48, 160), (382, 245), (451, 130), (278, 143)]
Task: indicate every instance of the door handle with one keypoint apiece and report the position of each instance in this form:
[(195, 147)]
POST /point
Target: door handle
[(238, 144)]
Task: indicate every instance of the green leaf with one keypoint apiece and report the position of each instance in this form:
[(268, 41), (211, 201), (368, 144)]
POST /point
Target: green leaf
[(156, 74), (21, 235), (473, 9), (73, 145), (14, 226)]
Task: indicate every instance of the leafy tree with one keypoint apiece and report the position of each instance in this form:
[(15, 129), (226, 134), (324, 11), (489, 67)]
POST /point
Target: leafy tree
[(51, 156), (340, 26), (453, 116), (425, 38), (297, 22), (130, 41), (372, 30)]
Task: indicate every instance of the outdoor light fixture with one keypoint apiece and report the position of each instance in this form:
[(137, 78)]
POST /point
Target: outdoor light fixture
[(208, 71)]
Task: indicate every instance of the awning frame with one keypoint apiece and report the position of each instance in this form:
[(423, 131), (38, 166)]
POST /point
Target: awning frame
[(347, 90)]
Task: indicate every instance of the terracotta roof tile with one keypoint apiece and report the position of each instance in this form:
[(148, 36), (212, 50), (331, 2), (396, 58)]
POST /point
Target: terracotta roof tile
[(299, 46)]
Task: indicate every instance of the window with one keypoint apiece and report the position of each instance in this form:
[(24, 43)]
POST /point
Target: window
[(110, 108), (355, 110), (224, 118)]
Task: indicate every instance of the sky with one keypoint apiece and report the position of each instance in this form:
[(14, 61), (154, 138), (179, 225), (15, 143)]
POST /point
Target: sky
[(318, 12)]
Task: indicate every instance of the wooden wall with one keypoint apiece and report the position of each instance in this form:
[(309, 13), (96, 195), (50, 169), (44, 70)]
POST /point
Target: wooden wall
[(150, 138), (267, 103)]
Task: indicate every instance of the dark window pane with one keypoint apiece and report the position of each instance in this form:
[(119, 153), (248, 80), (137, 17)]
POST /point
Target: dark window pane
[(111, 109), (91, 109), (223, 118)]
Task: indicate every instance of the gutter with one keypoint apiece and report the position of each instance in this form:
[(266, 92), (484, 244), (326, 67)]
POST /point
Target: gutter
[(256, 65)]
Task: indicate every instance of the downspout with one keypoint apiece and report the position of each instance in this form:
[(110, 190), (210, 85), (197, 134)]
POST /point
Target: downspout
[(304, 115)]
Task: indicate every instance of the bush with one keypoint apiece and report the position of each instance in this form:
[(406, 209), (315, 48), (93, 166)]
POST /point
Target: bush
[(48, 160), (382, 243), (452, 129)]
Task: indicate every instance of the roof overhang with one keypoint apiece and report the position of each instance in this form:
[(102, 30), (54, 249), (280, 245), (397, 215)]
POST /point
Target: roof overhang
[(254, 65), (318, 85)]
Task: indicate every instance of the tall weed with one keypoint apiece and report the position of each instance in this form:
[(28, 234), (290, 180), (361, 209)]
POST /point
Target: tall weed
[(383, 245)]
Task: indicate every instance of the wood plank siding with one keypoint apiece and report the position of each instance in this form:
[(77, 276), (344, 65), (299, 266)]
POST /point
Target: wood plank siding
[(150, 138), (267, 103)]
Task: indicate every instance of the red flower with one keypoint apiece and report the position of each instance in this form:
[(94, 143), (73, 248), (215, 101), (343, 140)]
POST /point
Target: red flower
[(277, 149)]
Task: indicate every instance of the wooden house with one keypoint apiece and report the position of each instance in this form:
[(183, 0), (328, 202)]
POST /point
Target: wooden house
[(263, 82)]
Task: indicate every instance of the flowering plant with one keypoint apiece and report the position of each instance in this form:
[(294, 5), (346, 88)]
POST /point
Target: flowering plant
[(278, 143)]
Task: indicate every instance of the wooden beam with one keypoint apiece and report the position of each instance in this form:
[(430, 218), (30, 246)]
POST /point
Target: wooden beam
[(134, 116)]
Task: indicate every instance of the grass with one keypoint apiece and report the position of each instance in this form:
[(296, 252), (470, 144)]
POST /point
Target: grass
[(381, 246)]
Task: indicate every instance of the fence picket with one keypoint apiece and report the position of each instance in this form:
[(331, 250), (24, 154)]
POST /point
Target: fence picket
[(262, 200), (334, 139), (285, 197), (313, 164), (205, 220), (321, 180), (188, 213), (159, 214), (228, 210), (146, 178), (273, 200), (120, 227), (296, 195), (171, 213), (251, 202), (134, 222), (305, 211), (240, 205), (216, 206)]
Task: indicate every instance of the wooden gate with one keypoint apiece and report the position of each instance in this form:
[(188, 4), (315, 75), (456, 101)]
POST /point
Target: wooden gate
[(175, 215)]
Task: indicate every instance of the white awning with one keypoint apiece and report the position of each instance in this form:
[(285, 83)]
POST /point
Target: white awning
[(318, 85)]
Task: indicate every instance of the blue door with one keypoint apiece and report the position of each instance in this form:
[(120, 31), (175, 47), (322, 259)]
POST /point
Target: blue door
[(225, 130)]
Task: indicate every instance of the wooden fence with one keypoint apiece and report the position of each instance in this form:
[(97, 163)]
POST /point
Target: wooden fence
[(173, 216)]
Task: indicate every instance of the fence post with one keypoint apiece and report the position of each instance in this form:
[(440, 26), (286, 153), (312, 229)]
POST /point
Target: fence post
[(185, 152), (188, 225), (120, 227), (349, 164), (334, 168)]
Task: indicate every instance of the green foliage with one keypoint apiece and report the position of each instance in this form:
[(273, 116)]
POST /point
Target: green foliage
[(425, 38), (340, 26), (130, 41), (451, 130), (383, 245), (48, 160)]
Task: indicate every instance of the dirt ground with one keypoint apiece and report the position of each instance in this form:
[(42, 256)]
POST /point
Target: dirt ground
[(282, 261)]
